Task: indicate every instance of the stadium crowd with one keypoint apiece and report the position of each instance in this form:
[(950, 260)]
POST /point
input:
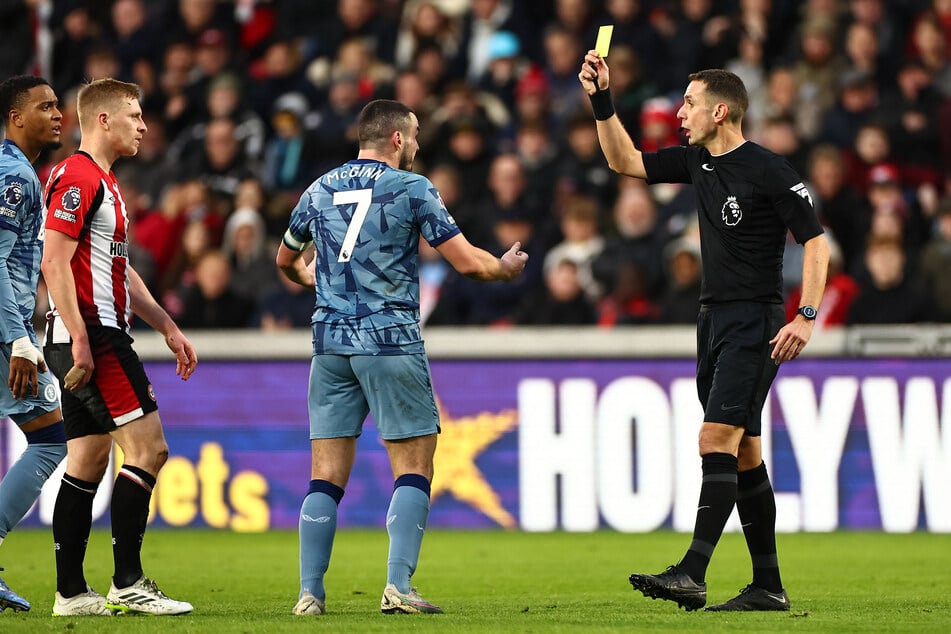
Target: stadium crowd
[(248, 101)]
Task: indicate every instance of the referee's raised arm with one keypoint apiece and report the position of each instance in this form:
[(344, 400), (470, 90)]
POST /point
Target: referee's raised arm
[(618, 147)]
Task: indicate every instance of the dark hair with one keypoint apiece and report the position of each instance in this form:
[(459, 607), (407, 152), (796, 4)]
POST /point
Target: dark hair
[(722, 85), (379, 119), (13, 92)]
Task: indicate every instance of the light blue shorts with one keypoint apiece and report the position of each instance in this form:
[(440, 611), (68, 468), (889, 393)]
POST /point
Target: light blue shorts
[(31, 407), (397, 389)]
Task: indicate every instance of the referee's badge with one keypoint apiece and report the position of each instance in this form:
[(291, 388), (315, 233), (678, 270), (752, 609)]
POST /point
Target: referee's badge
[(731, 212)]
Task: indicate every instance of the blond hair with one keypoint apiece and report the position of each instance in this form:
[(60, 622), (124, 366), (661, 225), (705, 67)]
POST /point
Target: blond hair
[(103, 95)]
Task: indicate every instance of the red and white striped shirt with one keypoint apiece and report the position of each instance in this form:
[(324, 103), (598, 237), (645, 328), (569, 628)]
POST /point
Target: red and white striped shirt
[(84, 203)]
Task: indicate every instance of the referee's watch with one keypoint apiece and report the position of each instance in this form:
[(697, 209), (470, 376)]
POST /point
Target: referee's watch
[(808, 312)]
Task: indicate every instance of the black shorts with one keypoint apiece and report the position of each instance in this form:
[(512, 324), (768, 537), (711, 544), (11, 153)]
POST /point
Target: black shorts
[(119, 391), (734, 368)]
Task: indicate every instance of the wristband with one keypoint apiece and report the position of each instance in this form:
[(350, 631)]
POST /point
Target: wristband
[(602, 105), (25, 349)]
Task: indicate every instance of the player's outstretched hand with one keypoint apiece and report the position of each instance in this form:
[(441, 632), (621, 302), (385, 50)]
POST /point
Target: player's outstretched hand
[(594, 73), (513, 261)]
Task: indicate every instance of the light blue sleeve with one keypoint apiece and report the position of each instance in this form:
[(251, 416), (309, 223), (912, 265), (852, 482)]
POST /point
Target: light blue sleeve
[(11, 321)]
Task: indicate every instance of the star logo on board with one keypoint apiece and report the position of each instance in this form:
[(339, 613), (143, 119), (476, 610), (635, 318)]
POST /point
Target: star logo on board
[(462, 440)]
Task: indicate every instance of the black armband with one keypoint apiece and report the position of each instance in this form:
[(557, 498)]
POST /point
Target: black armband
[(602, 105)]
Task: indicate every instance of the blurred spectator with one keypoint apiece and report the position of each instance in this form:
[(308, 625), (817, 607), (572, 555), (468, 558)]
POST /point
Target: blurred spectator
[(583, 169), (179, 277), (581, 245), (778, 134), (532, 106), (466, 302), (335, 135), (469, 151), (133, 38), (506, 194), (680, 302), (245, 245), (16, 36), (637, 238), (840, 206), (856, 105), (538, 153), (210, 302), (911, 115), (224, 100), (784, 97), (424, 23), (197, 16), (483, 19), (212, 59), (279, 72), (630, 87), (819, 69), (840, 291), (562, 52), (293, 155), (658, 124), (629, 301), (888, 296), (177, 110), (284, 305), (632, 28), (504, 70), (361, 19), (561, 301), (934, 265), (894, 214), (73, 35), (220, 163), (159, 231), (927, 42), (862, 53), (872, 147)]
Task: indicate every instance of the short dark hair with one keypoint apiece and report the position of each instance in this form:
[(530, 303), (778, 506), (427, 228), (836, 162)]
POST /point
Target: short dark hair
[(725, 86), (13, 92), (379, 119)]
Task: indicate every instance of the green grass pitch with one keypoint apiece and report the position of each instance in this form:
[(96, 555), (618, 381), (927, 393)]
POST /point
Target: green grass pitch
[(495, 581)]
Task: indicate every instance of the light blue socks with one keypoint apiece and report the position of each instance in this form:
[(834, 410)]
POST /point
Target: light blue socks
[(406, 523), (22, 484), (317, 526)]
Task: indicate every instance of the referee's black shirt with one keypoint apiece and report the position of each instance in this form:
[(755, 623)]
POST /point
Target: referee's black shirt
[(746, 199)]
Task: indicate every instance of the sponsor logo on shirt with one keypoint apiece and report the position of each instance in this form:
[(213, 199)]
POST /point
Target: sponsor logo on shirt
[(64, 215), (119, 249), (731, 212)]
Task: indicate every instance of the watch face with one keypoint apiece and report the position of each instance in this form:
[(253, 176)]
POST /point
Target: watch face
[(808, 312)]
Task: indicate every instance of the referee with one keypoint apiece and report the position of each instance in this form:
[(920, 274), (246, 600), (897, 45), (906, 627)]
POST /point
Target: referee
[(747, 198)]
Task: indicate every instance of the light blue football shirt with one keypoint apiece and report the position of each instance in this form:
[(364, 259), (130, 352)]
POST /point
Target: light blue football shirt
[(365, 219), (21, 245)]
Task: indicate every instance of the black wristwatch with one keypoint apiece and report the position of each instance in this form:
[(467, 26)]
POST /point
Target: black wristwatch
[(808, 312)]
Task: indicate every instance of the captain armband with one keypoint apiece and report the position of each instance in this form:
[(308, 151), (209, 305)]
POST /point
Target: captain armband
[(293, 243)]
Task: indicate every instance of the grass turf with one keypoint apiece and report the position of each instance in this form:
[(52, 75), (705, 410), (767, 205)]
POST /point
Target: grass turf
[(502, 582)]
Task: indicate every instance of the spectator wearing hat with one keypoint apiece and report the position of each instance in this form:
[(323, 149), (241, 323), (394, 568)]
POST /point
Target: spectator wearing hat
[(857, 103), (504, 70), (532, 106), (658, 124), (212, 58), (896, 211), (292, 153), (478, 24)]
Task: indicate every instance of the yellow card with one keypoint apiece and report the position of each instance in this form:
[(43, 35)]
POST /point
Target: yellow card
[(604, 40)]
